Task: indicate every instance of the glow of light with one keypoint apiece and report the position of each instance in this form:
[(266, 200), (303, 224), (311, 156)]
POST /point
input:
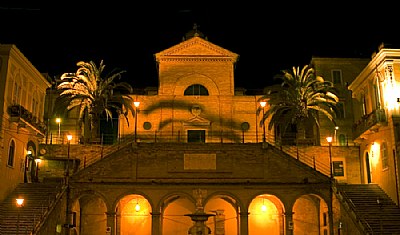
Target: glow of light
[(58, 120), (137, 207), (29, 152), (38, 160), (375, 152), (19, 201), (329, 139), (263, 103), (69, 137), (136, 103), (390, 94), (263, 207)]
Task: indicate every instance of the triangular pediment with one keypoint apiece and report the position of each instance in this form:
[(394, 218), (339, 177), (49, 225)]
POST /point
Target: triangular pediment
[(196, 47), (197, 121)]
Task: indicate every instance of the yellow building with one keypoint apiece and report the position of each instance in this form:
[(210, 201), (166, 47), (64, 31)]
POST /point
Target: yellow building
[(376, 102), (23, 91), (195, 159)]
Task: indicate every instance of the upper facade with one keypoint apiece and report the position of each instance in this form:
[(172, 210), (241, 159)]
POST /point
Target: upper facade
[(23, 91)]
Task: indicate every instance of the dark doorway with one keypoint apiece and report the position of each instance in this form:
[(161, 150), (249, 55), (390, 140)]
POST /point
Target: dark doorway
[(196, 136), (368, 168)]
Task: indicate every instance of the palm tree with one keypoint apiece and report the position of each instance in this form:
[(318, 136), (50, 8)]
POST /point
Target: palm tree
[(300, 99), (95, 96)]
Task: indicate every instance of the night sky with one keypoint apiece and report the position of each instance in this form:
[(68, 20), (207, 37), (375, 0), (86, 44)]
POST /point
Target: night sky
[(267, 38)]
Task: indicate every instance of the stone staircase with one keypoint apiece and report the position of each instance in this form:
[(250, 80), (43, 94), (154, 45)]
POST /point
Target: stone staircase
[(39, 199), (371, 207)]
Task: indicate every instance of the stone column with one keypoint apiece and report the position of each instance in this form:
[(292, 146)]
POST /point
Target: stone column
[(110, 223), (155, 223), (289, 223), (244, 223)]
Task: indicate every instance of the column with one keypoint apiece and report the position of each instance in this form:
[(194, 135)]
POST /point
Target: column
[(244, 223), (110, 230), (289, 222), (155, 223)]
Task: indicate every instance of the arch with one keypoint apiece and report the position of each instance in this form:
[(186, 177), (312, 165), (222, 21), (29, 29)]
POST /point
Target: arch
[(187, 80), (89, 210), (175, 206), (133, 211), (11, 153), (196, 90), (342, 140), (31, 166), (310, 215), (225, 207), (266, 215)]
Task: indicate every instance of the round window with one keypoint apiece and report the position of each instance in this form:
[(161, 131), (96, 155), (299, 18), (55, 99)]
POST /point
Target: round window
[(147, 125)]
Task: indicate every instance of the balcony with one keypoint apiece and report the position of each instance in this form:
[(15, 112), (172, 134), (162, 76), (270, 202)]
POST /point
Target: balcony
[(369, 123), (25, 119)]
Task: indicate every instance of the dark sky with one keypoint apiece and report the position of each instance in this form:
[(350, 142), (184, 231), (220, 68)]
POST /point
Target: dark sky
[(267, 38)]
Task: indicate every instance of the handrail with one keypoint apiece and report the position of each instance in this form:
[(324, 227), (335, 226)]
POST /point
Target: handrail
[(352, 210)]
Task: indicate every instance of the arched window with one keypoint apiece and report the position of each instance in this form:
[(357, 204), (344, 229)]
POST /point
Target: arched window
[(196, 90), (11, 153)]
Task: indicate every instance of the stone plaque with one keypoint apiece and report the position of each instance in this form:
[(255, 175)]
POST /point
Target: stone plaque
[(198, 161)]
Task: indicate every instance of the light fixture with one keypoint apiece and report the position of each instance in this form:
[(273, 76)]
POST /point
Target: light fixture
[(136, 103), (137, 207), (58, 120), (263, 103), (29, 152), (38, 160), (263, 207), (19, 202)]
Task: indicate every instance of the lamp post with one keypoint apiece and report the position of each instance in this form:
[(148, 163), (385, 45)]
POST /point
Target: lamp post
[(329, 139), (58, 121), (37, 160), (20, 203), (335, 136), (263, 103), (67, 215), (136, 103)]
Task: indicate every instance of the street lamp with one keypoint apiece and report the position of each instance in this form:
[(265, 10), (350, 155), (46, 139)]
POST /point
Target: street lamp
[(20, 203), (58, 121), (329, 139), (263, 103), (335, 137), (136, 103), (69, 138), (67, 219)]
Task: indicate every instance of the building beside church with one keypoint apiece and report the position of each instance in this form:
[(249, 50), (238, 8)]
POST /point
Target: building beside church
[(195, 157)]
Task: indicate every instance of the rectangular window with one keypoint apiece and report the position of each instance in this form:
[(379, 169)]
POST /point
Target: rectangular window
[(325, 219), (337, 77), (338, 168), (196, 136), (340, 111)]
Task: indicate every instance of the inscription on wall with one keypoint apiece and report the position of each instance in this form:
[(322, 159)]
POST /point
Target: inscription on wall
[(198, 161)]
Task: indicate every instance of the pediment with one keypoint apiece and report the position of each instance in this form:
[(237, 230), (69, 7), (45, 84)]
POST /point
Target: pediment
[(196, 47), (197, 121)]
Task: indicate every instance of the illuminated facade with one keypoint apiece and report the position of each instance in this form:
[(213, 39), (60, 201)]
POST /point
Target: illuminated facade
[(195, 145), (23, 91), (376, 102)]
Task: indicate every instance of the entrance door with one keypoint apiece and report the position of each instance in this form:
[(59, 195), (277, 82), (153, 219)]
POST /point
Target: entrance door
[(368, 168), (196, 136)]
